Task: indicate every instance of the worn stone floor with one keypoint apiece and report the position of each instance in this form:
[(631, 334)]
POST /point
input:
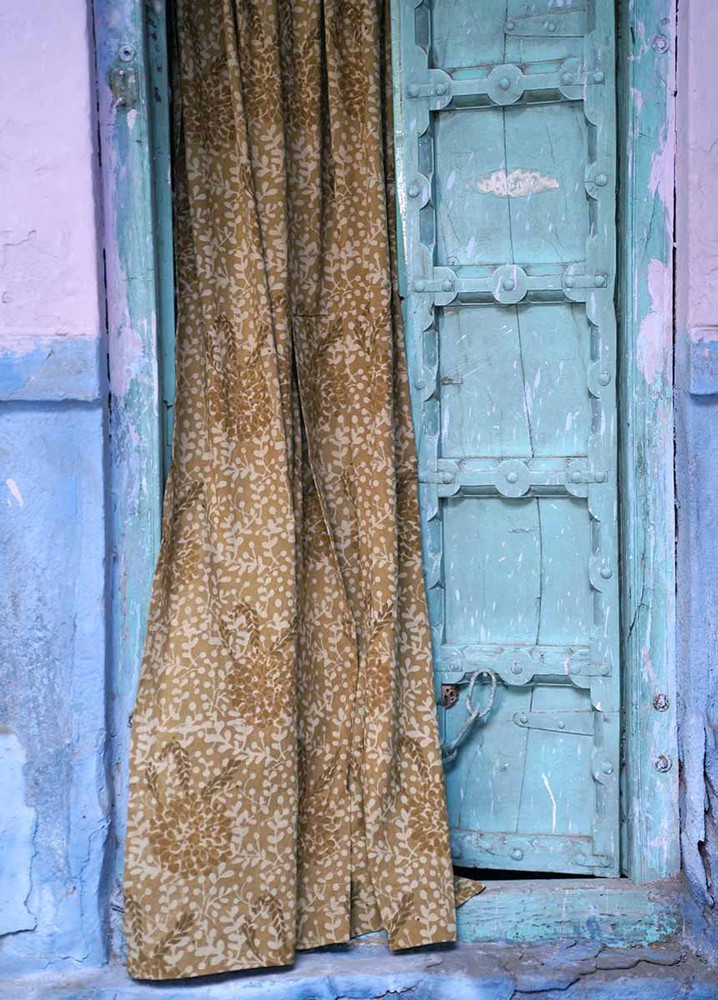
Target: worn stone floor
[(567, 970)]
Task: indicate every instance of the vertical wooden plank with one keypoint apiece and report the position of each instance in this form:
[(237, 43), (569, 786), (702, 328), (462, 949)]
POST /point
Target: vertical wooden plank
[(161, 146), (135, 463), (646, 128)]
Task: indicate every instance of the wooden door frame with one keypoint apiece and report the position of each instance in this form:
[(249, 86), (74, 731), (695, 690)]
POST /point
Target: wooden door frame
[(134, 134)]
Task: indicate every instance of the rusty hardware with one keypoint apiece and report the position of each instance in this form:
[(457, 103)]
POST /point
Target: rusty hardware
[(474, 714), (449, 695), (123, 79), (663, 763), (661, 703)]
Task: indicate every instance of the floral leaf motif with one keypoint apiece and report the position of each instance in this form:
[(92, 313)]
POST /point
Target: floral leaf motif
[(182, 764), (182, 926), (400, 915), (222, 781)]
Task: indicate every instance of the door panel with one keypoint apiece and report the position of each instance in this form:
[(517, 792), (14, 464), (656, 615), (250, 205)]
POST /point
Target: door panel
[(505, 144)]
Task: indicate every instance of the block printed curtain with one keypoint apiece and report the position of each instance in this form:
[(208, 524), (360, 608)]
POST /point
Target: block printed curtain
[(286, 789)]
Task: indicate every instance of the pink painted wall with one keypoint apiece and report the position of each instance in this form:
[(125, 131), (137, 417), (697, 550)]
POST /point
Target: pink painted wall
[(49, 287)]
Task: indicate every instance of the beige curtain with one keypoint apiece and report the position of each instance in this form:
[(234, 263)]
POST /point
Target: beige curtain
[(286, 789)]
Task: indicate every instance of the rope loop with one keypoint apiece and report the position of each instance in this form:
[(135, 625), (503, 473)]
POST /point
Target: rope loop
[(474, 714)]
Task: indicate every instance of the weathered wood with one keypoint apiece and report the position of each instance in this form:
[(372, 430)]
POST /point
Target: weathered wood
[(613, 911), (646, 123), (506, 185), (135, 435)]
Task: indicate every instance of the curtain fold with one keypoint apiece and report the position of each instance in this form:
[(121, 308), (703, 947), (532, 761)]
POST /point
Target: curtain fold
[(286, 790)]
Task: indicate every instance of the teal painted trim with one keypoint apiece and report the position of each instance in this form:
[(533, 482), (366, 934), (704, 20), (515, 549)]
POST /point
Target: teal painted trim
[(135, 456), (159, 106), (646, 127), (616, 912)]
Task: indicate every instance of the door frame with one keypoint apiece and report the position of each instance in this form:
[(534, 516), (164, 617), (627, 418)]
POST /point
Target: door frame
[(133, 93)]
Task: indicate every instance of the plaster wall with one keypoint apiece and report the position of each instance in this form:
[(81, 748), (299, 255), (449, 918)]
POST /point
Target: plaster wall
[(53, 805), (696, 374)]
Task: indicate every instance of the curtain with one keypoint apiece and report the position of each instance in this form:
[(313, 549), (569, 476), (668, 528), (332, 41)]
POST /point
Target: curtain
[(286, 790)]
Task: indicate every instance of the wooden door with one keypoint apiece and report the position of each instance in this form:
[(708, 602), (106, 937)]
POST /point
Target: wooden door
[(506, 171)]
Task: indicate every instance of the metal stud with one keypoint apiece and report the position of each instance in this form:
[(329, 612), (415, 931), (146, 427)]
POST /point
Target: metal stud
[(440, 89), (447, 285), (661, 703), (600, 281), (447, 478), (601, 180), (604, 378), (419, 286), (509, 284), (523, 718), (601, 477), (561, 724), (605, 669), (504, 83), (550, 26), (413, 90), (413, 191), (606, 572), (607, 767), (599, 76), (510, 25), (576, 477), (517, 854), (570, 282), (663, 763), (512, 477)]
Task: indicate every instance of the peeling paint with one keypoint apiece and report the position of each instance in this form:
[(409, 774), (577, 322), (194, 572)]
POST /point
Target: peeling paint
[(654, 337), (516, 184)]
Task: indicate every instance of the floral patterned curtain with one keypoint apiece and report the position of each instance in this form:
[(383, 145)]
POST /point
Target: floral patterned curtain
[(286, 787)]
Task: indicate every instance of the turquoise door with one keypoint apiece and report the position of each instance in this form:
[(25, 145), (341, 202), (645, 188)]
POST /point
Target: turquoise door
[(506, 159)]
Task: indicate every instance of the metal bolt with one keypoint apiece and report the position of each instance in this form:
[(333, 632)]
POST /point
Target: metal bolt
[(561, 724), (510, 25), (413, 90), (127, 53), (413, 191), (607, 767), (504, 83), (517, 854), (440, 89), (604, 378), (570, 282), (576, 477), (566, 78), (661, 703), (601, 477), (607, 861), (419, 286), (447, 285), (605, 669), (512, 477), (552, 26), (523, 718), (599, 76), (606, 572), (447, 478), (600, 280), (508, 284), (663, 763), (575, 668), (660, 43), (515, 667), (601, 180)]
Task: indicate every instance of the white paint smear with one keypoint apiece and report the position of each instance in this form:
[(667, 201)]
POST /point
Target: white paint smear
[(13, 487), (518, 184)]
